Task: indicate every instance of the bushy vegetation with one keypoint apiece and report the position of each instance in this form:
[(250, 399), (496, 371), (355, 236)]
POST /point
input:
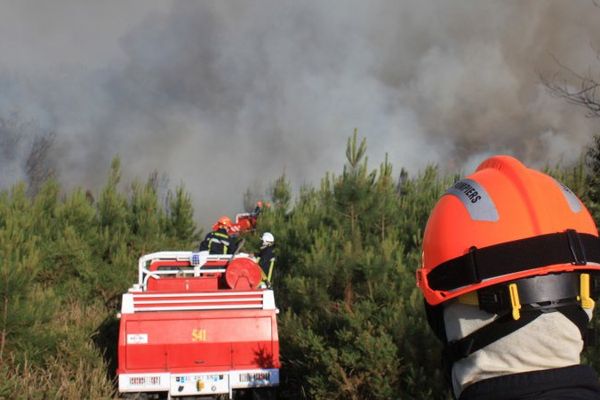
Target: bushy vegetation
[(352, 324), (64, 261)]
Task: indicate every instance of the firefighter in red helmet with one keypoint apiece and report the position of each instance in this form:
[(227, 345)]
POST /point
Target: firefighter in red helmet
[(218, 241), (511, 264)]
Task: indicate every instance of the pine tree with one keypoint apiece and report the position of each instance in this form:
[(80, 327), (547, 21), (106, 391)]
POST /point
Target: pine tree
[(281, 193), (179, 222), (112, 213), (592, 161), (144, 216), (353, 312), (24, 306)]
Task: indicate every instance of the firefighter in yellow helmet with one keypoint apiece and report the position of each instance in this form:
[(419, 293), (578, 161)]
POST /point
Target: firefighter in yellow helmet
[(511, 262), (219, 241)]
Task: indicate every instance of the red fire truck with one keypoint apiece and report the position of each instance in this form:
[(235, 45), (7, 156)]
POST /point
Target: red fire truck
[(198, 325)]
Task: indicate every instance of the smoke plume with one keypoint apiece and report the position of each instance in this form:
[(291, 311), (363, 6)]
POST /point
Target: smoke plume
[(226, 95)]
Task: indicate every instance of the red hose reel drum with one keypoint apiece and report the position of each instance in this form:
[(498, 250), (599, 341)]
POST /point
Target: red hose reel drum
[(243, 273)]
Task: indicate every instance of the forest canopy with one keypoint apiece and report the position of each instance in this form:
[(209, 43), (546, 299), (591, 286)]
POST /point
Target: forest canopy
[(352, 324)]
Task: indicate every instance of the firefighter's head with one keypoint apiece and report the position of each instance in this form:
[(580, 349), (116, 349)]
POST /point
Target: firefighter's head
[(508, 252), (509, 240), (267, 239), (223, 223)]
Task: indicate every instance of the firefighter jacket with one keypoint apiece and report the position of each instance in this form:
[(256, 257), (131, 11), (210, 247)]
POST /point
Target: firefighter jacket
[(577, 382), (539, 358), (218, 242), (266, 260)]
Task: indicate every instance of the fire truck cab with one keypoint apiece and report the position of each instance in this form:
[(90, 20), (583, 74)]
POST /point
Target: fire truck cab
[(198, 326)]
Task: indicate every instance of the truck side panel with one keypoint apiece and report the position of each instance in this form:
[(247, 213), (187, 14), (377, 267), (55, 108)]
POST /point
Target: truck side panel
[(200, 341)]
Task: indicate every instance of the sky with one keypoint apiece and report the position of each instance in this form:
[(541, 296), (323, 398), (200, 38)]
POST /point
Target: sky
[(221, 96)]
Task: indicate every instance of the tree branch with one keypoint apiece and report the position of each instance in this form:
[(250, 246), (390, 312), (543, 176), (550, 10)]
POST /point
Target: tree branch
[(583, 93)]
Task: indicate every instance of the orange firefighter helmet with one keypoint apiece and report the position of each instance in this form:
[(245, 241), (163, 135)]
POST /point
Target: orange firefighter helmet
[(224, 222), (502, 223)]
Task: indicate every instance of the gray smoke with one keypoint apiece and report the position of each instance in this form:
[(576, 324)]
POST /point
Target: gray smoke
[(225, 95)]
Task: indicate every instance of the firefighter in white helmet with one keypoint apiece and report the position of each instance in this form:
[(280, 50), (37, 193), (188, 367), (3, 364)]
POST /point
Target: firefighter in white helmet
[(266, 257)]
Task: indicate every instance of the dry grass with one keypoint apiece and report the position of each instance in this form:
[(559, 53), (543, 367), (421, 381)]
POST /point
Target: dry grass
[(77, 372), (58, 380)]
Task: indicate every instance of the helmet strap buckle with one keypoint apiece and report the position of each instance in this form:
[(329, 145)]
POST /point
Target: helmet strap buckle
[(585, 292), (514, 301), (472, 268), (497, 300), (576, 247)]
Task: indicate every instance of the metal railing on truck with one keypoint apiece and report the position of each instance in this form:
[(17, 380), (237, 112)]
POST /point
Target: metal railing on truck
[(139, 299)]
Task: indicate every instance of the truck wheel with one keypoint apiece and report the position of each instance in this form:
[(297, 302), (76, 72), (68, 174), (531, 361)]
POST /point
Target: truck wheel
[(243, 394), (143, 396), (264, 394)]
